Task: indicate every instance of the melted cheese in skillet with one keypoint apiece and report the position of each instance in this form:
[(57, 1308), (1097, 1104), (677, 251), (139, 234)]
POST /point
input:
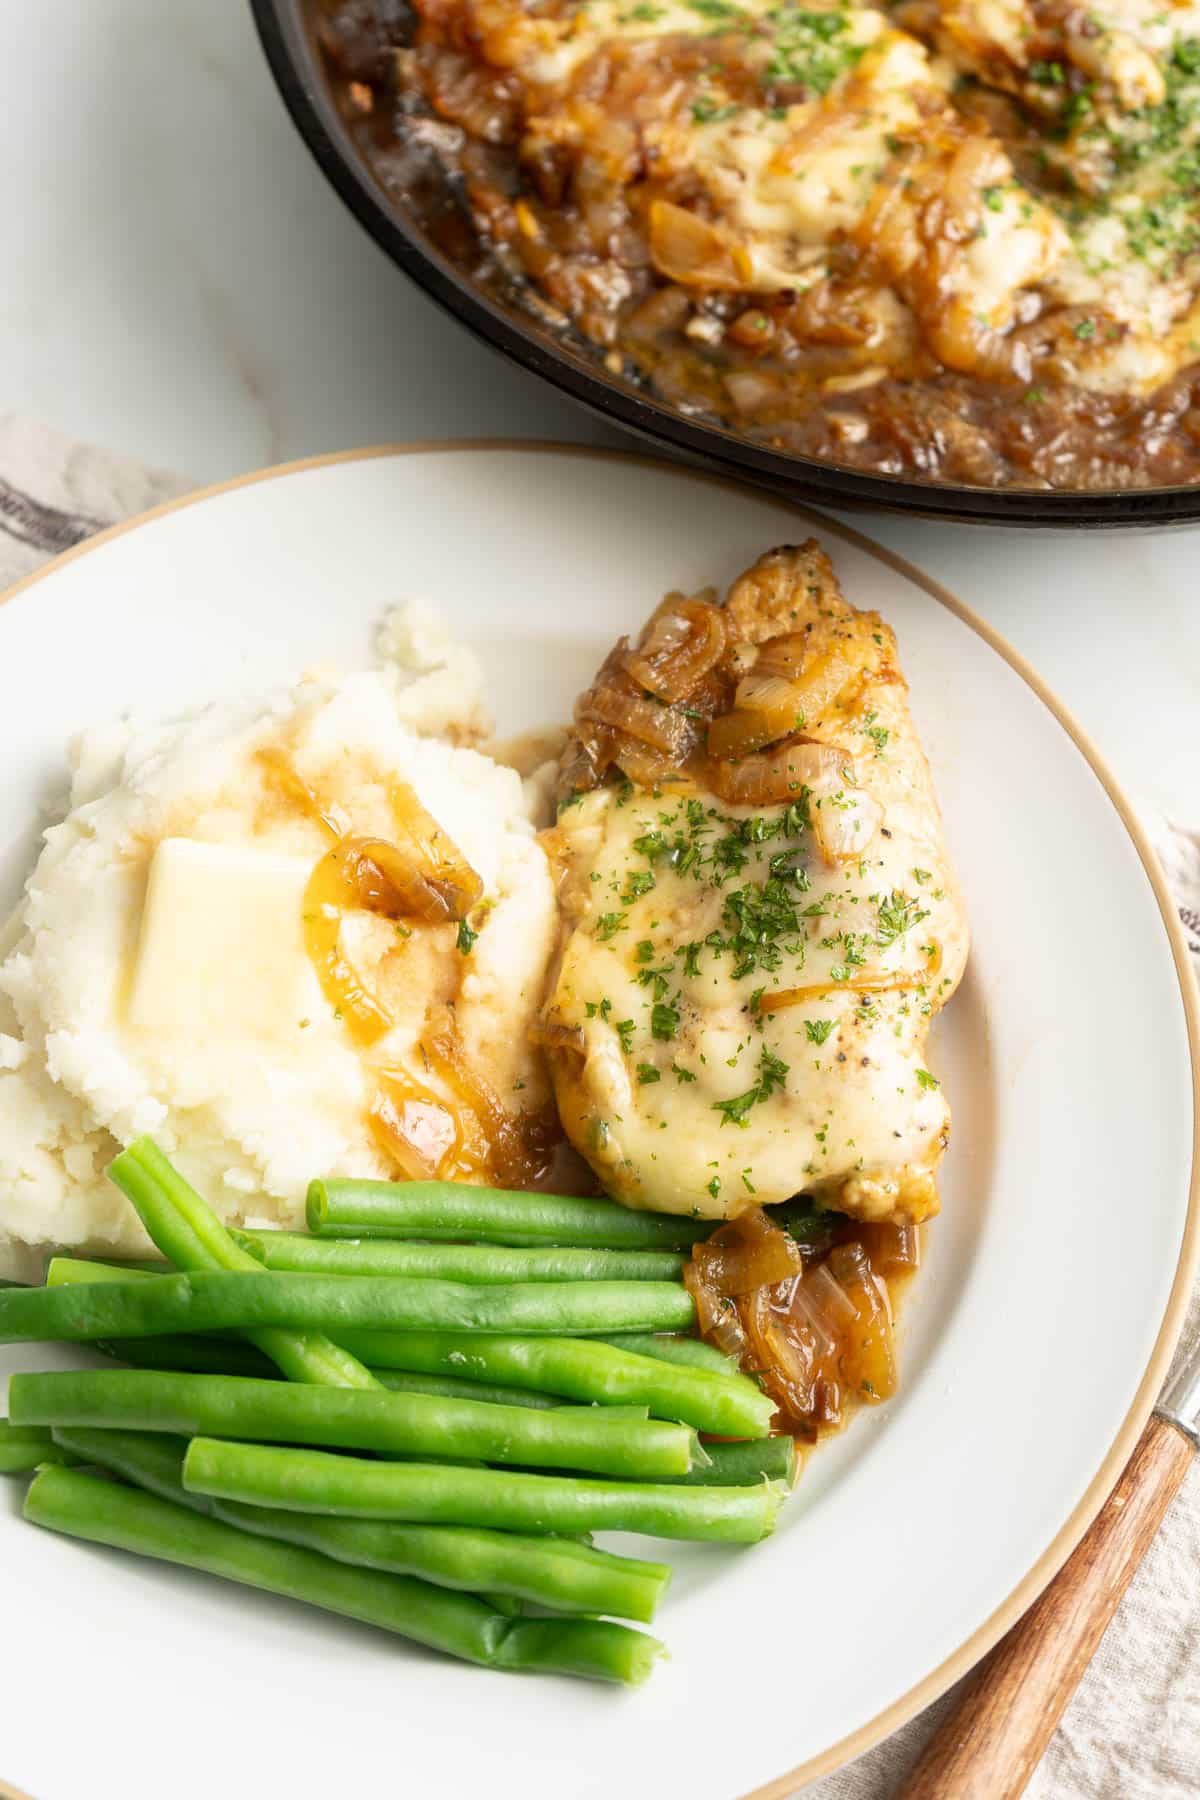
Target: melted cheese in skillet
[(786, 184)]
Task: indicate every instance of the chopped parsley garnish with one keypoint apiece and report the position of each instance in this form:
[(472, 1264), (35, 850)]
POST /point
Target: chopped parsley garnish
[(466, 937), (647, 1073), (878, 734), (760, 921), (896, 915), (608, 925), (819, 1029), (681, 1074), (926, 1080), (624, 1029), (707, 111), (714, 1186), (772, 1073), (737, 1110), (638, 882), (811, 49), (664, 1022), (1078, 106)]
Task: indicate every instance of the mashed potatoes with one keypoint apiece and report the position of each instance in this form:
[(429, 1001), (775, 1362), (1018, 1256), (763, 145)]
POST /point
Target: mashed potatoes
[(155, 976)]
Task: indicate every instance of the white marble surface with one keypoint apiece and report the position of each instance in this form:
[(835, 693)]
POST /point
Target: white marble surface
[(180, 283)]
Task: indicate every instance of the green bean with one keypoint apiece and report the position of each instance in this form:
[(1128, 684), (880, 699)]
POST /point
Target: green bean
[(195, 1355), (183, 1225), (220, 1301), (77, 1271), (692, 1352), (149, 1459), (574, 1437), (579, 1369), (228, 1356), (187, 1230), (447, 1209), (480, 1263), (453, 1387), (745, 1463), (426, 1493), (100, 1511), (556, 1572), (544, 1571), (23, 1447), (741, 1464)]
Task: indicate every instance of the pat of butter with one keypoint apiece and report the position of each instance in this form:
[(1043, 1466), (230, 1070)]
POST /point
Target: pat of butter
[(221, 951)]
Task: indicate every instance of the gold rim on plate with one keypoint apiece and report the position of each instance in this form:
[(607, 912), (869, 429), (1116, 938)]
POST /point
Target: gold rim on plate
[(1051, 1560)]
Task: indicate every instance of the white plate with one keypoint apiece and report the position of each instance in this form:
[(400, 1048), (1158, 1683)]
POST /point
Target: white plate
[(1039, 1327)]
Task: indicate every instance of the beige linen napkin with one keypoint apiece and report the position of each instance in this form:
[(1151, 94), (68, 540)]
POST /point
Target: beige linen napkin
[(1132, 1731)]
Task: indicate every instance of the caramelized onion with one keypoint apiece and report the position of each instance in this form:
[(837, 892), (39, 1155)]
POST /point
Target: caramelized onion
[(827, 1297), (553, 1035), (717, 1317), (815, 1334), (776, 777), (789, 1357), (647, 767), (881, 983), (844, 817), (752, 390), (784, 656), (332, 887), (688, 249), (517, 1149), (683, 642), (584, 764), (649, 721), (893, 1249), (427, 871), (747, 1253), (805, 1309), (416, 1130), (869, 1359), (766, 708), (828, 680)]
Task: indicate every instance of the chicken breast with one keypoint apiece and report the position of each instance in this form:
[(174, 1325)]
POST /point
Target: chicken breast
[(759, 918)]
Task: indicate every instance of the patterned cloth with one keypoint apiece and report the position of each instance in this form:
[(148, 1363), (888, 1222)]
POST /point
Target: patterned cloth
[(1132, 1732)]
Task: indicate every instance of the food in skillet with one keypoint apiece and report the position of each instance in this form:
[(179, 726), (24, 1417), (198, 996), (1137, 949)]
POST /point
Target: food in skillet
[(952, 240)]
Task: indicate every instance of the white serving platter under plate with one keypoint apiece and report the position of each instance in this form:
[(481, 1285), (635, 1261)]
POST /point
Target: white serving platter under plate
[(1036, 1335)]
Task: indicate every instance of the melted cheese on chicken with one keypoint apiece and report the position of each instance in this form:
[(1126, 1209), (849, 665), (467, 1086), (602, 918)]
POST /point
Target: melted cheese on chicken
[(738, 1017)]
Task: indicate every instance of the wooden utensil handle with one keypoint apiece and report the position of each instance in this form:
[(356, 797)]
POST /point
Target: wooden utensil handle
[(994, 1740)]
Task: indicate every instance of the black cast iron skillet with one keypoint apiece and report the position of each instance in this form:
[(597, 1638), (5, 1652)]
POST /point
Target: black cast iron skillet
[(508, 327)]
